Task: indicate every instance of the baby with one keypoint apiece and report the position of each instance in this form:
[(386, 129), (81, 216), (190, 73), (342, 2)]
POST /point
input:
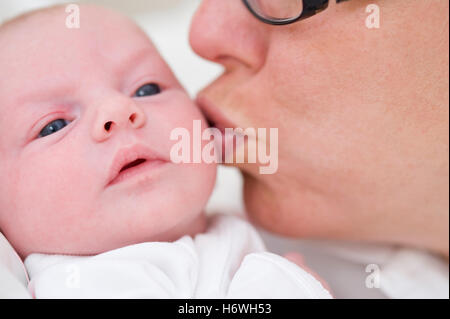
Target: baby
[(89, 196)]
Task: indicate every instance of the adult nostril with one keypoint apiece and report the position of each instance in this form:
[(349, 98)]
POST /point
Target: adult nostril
[(108, 126)]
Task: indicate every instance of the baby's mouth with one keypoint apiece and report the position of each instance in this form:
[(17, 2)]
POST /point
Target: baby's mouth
[(135, 163), (135, 168), (126, 170)]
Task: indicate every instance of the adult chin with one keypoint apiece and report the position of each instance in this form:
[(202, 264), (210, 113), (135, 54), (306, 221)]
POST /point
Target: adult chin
[(280, 204), (263, 199)]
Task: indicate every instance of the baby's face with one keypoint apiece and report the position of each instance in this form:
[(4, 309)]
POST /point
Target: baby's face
[(77, 106)]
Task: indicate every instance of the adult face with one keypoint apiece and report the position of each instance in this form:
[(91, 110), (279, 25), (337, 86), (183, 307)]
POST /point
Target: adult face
[(362, 116)]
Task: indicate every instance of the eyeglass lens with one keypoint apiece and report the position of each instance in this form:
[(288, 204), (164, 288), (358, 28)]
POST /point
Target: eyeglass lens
[(277, 9)]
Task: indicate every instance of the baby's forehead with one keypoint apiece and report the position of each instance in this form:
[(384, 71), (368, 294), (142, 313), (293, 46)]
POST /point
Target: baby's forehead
[(46, 31), (39, 45), (63, 15)]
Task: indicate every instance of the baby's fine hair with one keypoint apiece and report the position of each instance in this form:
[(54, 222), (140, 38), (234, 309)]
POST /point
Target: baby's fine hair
[(14, 21)]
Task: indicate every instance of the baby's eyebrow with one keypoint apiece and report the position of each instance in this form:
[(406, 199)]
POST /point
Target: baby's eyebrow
[(49, 91), (135, 59)]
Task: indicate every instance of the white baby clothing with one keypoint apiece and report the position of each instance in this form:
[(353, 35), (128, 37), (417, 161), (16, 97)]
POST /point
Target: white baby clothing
[(227, 261)]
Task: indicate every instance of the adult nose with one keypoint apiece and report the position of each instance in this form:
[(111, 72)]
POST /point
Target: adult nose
[(114, 114), (225, 31)]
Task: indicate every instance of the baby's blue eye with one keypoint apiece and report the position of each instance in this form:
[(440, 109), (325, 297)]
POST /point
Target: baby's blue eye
[(148, 90), (53, 127)]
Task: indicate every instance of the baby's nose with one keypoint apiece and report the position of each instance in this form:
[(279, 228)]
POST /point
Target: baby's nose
[(113, 115)]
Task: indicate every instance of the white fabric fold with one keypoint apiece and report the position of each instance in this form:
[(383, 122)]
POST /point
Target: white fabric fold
[(228, 261), (12, 273)]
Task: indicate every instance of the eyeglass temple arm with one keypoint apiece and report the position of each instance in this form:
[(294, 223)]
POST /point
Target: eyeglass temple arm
[(311, 7)]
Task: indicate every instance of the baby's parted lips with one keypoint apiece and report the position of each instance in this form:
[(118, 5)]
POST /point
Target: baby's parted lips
[(137, 162), (129, 157)]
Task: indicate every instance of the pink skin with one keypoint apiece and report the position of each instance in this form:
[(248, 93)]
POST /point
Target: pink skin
[(54, 196)]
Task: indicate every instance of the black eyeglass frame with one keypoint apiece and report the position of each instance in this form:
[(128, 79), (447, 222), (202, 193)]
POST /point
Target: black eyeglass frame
[(310, 8)]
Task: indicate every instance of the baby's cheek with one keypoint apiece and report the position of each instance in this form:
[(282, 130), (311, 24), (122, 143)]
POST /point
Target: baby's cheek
[(191, 183), (50, 199), (176, 115), (183, 111)]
